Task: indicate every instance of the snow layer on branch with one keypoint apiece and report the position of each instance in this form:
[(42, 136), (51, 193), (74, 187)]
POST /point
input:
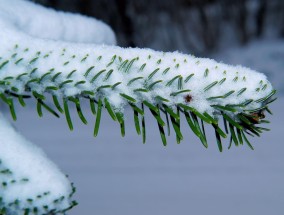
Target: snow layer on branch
[(110, 71), (44, 51), (28, 179), (37, 21)]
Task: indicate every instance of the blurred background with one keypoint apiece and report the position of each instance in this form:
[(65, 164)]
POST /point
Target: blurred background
[(196, 26), (121, 176)]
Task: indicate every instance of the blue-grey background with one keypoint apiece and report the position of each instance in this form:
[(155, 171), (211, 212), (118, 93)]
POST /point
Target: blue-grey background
[(122, 176)]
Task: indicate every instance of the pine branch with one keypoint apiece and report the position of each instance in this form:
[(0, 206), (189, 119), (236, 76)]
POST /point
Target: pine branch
[(171, 85), (113, 81)]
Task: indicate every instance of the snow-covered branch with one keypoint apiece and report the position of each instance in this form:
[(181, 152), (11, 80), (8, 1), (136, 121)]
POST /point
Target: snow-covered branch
[(113, 77), (39, 60)]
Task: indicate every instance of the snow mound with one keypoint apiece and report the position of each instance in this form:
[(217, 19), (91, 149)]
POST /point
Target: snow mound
[(29, 180), (36, 21)]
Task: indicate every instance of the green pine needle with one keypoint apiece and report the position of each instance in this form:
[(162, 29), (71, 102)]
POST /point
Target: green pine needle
[(98, 118), (67, 114)]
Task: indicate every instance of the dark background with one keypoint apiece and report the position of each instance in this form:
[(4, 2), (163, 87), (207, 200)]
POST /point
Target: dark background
[(196, 26)]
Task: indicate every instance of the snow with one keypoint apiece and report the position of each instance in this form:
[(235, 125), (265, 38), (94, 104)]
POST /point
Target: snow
[(26, 49), (23, 52), (37, 21), (116, 175), (28, 176)]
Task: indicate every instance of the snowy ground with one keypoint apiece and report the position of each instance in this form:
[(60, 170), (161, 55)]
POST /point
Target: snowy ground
[(121, 176)]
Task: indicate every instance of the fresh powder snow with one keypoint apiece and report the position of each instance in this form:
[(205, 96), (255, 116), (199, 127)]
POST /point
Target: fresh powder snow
[(28, 178), (101, 68), (67, 55)]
